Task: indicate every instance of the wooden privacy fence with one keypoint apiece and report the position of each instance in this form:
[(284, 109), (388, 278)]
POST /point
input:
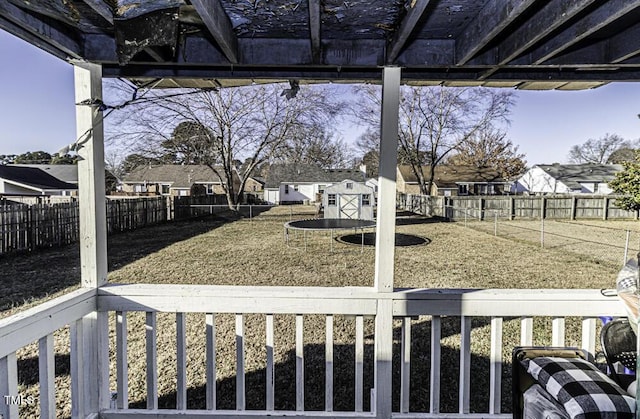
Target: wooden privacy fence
[(27, 227), (569, 207)]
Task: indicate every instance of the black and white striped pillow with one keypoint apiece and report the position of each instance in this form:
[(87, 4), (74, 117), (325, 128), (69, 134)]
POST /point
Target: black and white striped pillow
[(583, 390)]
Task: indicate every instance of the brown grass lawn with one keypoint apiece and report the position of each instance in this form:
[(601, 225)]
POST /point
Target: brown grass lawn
[(243, 252)]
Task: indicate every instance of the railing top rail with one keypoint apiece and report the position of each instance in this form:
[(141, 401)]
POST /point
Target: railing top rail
[(358, 300), (27, 326)]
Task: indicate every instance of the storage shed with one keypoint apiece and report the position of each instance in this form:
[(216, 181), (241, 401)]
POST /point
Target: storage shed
[(348, 199)]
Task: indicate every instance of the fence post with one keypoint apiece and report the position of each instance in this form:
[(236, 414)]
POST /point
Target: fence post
[(495, 223), (481, 213), (626, 247), (542, 232), (605, 207), (574, 205), (512, 205)]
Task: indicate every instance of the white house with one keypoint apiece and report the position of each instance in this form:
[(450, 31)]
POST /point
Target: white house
[(567, 178), (303, 183), (349, 199)]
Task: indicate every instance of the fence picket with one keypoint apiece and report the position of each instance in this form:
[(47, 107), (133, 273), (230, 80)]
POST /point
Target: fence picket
[(240, 378), (299, 363), (210, 321), (436, 334), (328, 398), (181, 361), (152, 360), (270, 362), (46, 373), (121, 360)]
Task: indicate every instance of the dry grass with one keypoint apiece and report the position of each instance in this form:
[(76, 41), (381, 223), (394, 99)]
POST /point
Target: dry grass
[(219, 251)]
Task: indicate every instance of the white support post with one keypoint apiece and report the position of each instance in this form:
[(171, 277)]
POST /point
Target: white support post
[(385, 238), (386, 217), (93, 230), (91, 189)]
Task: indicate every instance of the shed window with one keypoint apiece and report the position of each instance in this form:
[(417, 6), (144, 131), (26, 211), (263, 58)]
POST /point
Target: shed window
[(331, 200), (164, 189), (349, 185), (286, 189), (463, 189), (210, 190), (366, 200)]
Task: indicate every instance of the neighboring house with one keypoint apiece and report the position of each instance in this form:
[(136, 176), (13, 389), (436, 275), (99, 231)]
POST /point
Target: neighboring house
[(454, 181), (64, 172), (303, 183), (349, 199), (69, 173), (567, 178), (172, 179), (17, 180)]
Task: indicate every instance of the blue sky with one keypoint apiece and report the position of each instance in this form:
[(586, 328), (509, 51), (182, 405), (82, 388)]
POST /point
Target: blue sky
[(37, 109)]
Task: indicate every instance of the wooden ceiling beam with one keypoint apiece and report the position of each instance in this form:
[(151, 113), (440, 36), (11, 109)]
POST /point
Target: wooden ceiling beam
[(101, 8), (407, 27), (542, 24), (601, 17), (615, 50), (494, 18), (41, 32), (219, 25), (314, 30)]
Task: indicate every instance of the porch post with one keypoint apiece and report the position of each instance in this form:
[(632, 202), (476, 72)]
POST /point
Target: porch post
[(386, 217), (92, 357), (385, 239)]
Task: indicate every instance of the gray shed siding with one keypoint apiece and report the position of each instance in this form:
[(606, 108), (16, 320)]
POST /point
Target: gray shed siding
[(349, 202)]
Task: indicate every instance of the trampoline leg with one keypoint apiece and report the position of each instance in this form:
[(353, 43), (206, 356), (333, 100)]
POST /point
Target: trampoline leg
[(331, 242)]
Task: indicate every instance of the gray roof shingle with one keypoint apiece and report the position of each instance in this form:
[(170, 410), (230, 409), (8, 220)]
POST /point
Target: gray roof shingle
[(33, 176), (574, 174), (307, 173)]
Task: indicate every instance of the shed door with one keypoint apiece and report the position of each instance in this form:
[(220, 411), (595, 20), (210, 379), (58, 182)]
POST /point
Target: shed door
[(349, 206)]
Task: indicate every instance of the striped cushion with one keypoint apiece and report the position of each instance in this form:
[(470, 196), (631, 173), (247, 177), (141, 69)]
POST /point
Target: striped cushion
[(583, 390)]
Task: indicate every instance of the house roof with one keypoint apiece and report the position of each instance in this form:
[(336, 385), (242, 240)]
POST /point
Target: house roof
[(178, 176), (64, 172), (211, 43), (33, 177), (448, 176), (307, 173), (574, 174)]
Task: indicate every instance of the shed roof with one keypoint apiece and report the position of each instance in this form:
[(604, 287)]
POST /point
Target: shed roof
[(34, 177), (531, 44)]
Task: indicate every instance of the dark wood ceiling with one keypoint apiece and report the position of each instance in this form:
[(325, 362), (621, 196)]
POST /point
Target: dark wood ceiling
[(537, 44)]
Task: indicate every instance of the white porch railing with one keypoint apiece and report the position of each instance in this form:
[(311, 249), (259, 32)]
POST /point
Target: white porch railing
[(475, 317)]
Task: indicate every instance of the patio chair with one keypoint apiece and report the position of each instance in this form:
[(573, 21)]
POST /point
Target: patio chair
[(619, 347)]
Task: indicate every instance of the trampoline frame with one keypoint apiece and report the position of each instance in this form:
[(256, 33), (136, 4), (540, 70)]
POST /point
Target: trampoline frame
[(362, 226)]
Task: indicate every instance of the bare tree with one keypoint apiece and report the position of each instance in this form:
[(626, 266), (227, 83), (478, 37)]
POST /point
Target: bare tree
[(597, 151), (434, 121), (490, 148), (319, 146), (219, 127)]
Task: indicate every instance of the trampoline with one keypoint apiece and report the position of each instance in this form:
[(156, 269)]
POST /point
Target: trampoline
[(324, 224)]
